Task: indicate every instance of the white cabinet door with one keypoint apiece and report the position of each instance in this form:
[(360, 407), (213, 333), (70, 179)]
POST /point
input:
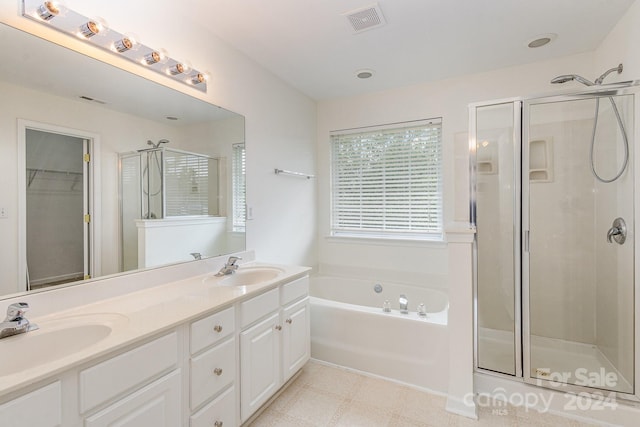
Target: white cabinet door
[(40, 408), (295, 337), (156, 405), (259, 364)]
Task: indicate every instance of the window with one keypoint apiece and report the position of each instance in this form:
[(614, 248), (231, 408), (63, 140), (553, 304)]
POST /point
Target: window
[(238, 187), (387, 181), (187, 184)]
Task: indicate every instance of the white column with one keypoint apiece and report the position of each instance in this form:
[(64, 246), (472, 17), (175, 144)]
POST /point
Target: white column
[(460, 244)]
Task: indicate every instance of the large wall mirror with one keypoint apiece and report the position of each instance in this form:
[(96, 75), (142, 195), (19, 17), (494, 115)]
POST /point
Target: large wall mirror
[(105, 172)]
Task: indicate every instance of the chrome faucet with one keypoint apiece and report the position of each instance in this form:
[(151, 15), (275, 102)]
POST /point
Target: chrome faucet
[(196, 255), (404, 304), (15, 322), (230, 267)]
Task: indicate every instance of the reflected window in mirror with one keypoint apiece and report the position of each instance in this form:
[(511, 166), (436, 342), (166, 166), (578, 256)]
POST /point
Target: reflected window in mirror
[(238, 174)]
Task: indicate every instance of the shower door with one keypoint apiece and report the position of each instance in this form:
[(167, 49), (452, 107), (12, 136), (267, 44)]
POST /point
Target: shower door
[(578, 273), (496, 214)]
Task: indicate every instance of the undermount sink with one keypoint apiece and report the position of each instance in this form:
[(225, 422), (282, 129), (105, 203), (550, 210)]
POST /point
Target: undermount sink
[(55, 339), (246, 276)]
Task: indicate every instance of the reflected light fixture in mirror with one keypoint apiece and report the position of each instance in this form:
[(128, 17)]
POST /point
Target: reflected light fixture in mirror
[(95, 31)]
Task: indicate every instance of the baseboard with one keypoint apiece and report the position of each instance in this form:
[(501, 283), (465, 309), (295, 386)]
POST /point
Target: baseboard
[(462, 407)]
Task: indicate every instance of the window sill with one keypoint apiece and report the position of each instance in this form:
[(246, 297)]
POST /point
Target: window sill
[(388, 241)]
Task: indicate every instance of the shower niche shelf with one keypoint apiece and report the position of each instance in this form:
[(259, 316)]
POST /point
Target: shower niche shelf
[(487, 158), (541, 160)]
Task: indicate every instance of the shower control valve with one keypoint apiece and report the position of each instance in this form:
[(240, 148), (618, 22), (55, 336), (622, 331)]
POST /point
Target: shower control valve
[(617, 232)]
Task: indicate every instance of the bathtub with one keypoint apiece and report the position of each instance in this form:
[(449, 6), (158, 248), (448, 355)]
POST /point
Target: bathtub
[(350, 329)]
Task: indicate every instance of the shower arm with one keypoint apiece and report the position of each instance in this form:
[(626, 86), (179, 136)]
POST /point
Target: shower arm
[(600, 79)]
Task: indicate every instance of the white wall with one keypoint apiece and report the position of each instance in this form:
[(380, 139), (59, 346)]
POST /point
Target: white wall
[(280, 121), (447, 99)]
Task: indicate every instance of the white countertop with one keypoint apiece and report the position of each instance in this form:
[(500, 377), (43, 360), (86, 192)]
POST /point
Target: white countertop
[(134, 317)]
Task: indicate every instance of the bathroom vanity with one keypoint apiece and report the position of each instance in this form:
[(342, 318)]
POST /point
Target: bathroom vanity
[(201, 351)]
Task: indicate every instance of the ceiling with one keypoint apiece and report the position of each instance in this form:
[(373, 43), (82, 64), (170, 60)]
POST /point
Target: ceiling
[(311, 45)]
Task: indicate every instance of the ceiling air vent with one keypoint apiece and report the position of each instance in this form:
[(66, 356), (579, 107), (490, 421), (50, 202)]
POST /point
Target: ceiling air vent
[(366, 18)]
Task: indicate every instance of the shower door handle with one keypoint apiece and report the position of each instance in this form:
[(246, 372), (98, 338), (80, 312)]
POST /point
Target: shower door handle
[(617, 232)]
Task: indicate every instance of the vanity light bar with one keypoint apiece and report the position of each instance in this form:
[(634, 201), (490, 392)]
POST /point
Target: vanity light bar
[(96, 32)]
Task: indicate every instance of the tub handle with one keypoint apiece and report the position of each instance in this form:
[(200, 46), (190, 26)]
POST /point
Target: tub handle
[(289, 321)]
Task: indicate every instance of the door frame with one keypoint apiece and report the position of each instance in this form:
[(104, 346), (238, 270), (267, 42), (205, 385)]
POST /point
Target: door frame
[(94, 204)]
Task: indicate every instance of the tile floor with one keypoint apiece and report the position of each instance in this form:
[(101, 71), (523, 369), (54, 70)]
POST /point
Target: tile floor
[(328, 396)]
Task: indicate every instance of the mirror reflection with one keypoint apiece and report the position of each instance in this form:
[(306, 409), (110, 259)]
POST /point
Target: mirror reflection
[(106, 172)]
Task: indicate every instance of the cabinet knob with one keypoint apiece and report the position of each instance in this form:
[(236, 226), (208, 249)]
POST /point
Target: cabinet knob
[(217, 371), (278, 328), (218, 328), (289, 321), (218, 424)]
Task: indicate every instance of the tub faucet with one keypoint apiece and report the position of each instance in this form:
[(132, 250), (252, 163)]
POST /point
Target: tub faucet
[(15, 322), (196, 255), (404, 304), (230, 267)]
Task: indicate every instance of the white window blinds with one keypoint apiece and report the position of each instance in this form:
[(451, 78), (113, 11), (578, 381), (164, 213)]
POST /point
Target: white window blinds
[(187, 184), (238, 173), (387, 181)]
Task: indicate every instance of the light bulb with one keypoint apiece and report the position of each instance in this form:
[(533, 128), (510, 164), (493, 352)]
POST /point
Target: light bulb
[(152, 57), (125, 43), (198, 78), (92, 27), (48, 10), (176, 69), (155, 57)]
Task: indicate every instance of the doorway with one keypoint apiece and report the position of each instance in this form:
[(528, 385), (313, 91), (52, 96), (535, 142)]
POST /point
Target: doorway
[(56, 200)]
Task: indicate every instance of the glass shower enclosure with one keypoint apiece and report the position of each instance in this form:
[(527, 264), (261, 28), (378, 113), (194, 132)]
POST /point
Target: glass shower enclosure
[(554, 206), (160, 183)]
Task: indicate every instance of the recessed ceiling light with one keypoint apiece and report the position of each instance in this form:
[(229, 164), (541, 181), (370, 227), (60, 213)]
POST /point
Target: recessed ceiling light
[(364, 74), (541, 40)]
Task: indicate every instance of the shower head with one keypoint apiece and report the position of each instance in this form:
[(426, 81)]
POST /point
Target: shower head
[(606, 73), (568, 77)]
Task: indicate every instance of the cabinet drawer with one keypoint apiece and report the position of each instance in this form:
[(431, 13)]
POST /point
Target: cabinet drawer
[(212, 371), (156, 405), (106, 380), (219, 413), (258, 307), (212, 329), (294, 290), (40, 408)]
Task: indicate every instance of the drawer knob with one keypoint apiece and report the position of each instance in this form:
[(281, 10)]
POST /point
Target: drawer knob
[(289, 321), (217, 371), (218, 328), (278, 328), (218, 424)]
